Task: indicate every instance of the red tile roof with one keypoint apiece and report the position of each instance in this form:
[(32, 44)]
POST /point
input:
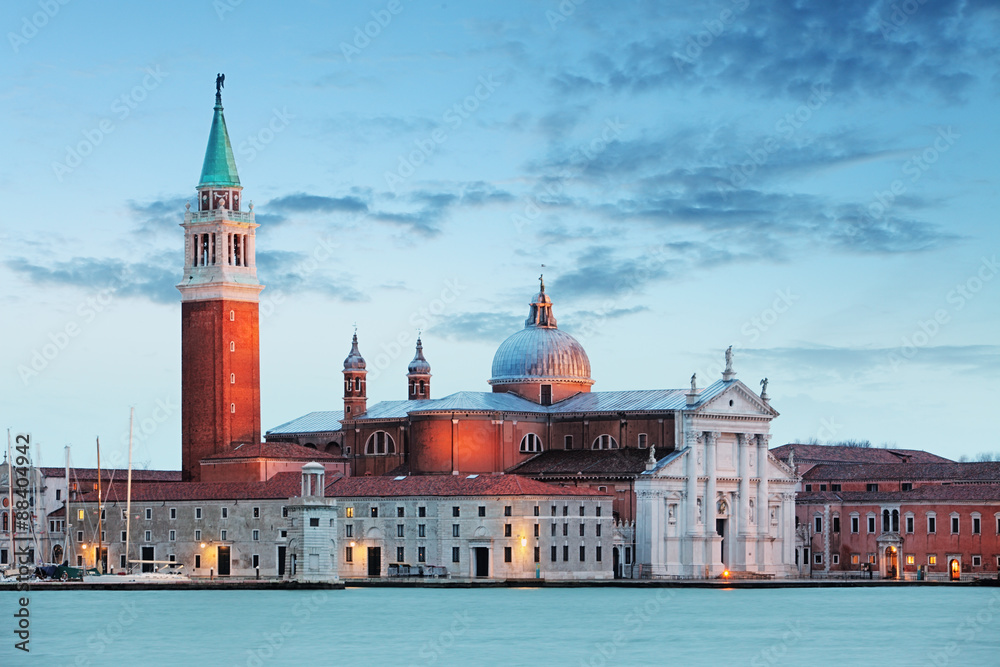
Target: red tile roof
[(925, 493), (109, 473), (587, 463), (841, 454), (958, 472), (272, 450)]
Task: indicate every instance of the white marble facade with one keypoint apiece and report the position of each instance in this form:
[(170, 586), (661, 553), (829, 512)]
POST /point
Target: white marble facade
[(705, 508)]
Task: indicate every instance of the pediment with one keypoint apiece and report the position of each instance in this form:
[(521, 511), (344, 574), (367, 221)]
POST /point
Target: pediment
[(737, 399)]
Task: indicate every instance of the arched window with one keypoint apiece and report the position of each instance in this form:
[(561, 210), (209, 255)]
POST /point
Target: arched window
[(605, 442), (357, 384), (6, 524), (379, 443), (530, 444), (421, 387)]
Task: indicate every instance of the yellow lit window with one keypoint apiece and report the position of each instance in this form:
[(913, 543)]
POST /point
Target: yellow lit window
[(932, 560), (349, 512), (79, 515), (855, 559), (910, 559)]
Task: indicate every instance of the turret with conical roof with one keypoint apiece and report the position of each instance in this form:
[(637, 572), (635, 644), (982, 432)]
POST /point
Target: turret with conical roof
[(355, 386), (219, 168), (418, 375)]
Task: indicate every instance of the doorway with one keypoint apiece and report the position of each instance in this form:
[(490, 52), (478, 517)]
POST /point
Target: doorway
[(224, 561), (482, 561), (101, 560), (954, 570), (891, 563), (720, 529), (146, 554), (281, 561), (374, 561), (616, 557)]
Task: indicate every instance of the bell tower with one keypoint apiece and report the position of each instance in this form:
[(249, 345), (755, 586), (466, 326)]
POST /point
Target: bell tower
[(418, 376), (355, 385), (220, 350)]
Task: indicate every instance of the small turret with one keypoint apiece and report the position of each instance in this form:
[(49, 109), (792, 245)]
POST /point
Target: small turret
[(355, 386), (418, 375)]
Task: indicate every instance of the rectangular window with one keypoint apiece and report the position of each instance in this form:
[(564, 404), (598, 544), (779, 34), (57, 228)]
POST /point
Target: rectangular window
[(172, 536), (197, 561), (536, 530), (507, 530), (173, 513), (124, 535), (642, 441), (455, 511), (374, 512), (909, 524), (124, 515), (553, 553), (565, 510), (583, 553), (222, 535), (597, 554), (911, 559), (508, 510), (79, 536), (976, 525), (871, 524), (421, 554), (400, 554), (836, 524), (197, 535), (818, 559), (565, 529), (597, 530), (400, 512), (454, 530), (172, 558), (567, 442), (349, 555), (197, 512), (871, 559), (835, 559), (822, 487), (977, 561), (507, 555), (456, 554), (954, 525), (818, 525), (906, 486), (582, 529), (998, 525), (225, 512), (349, 530), (583, 511), (536, 513), (421, 511), (855, 527), (932, 559), (565, 553), (553, 529), (597, 510), (931, 524), (855, 559), (256, 536), (809, 488), (348, 512), (422, 530), (399, 530), (149, 514), (256, 512), (255, 561), (538, 555), (553, 511), (149, 536), (871, 487), (835, 487), (482, 510), (314, 522), (628, 555)]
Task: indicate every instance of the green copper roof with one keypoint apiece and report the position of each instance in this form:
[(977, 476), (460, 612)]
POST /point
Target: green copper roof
[(220, 165)]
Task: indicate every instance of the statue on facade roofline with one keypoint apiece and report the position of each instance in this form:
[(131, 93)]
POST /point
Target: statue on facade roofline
[(694, 383), (763, 387), (729, 359)]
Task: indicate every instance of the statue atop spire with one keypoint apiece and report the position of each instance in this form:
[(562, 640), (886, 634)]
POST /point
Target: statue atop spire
[(541, 281), (220, 83)]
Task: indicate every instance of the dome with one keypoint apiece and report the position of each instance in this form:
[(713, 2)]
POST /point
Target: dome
[(354, 361), (540, 352), (419, 365)]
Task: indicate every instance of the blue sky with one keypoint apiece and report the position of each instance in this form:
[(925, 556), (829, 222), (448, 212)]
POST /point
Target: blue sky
[(813, 183)]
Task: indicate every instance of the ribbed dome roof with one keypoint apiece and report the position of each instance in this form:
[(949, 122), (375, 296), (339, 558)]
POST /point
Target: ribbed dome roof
[(354, 361), (540, 351)]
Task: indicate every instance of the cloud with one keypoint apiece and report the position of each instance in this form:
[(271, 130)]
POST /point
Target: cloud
[(148, 279), (306, 203), (294, 272), (489, 327), (159, 215)]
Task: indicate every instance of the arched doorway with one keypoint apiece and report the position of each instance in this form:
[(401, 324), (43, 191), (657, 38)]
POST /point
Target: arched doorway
[(891, 563), (954, 569)]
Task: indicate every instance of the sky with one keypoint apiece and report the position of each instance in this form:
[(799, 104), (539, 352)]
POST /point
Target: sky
[(815, 184)]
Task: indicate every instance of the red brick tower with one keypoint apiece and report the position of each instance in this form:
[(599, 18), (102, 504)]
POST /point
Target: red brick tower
[(418, 376), (220, 351), (355, 385)]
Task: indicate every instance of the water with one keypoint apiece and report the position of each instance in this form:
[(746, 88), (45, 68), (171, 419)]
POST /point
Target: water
[(580, 626)]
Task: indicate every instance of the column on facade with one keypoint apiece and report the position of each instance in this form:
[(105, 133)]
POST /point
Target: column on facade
[(788, 524), (691, 483), (743, 453), (251, 251), (763, 512), (712, 541)]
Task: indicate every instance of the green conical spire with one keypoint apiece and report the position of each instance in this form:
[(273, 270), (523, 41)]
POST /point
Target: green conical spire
[(219, 168)]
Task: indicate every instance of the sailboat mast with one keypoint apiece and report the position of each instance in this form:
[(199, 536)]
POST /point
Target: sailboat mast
[(100, 510), (128, 501), (66, 551)]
